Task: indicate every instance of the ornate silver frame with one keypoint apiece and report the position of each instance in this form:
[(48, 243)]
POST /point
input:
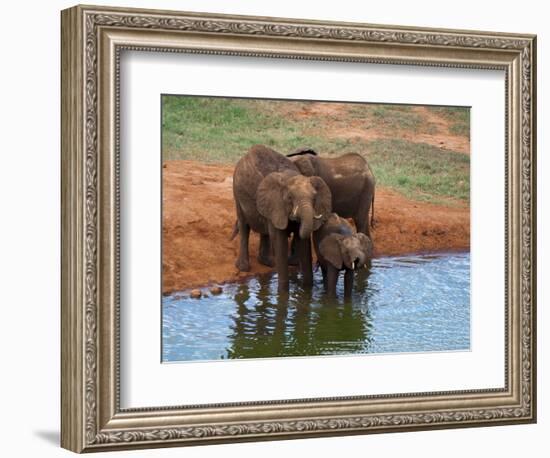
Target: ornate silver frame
[(92, 38)]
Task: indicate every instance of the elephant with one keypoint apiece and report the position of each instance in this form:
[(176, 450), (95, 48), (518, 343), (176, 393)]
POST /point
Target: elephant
[(339, 247), (350, 180), (273, 199)]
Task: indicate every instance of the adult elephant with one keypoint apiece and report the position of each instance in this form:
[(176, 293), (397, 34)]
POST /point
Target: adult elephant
[(274, 199), (350, 180)]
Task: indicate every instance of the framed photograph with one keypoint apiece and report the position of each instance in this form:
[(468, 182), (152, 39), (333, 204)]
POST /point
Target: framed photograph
[(278, 228)]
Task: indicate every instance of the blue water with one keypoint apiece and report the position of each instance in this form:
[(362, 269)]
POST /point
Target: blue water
[(415, 303)]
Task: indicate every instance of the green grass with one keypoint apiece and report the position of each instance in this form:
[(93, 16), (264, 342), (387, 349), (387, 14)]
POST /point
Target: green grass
[(221, 130), (459, 118), (395, 117), (420, 171)]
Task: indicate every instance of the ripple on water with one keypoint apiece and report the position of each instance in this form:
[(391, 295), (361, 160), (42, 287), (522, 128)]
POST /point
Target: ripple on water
[(415, 303)]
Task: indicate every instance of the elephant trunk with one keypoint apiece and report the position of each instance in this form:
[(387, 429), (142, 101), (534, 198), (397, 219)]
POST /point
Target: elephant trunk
[(358, 260), (306, 220)]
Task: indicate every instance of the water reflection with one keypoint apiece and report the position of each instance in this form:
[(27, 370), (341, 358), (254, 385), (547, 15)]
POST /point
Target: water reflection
[(417, 303), (267, 326)]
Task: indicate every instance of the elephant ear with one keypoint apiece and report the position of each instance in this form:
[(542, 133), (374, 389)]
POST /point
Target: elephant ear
[(322, 205), (331, 249), (305, 165), (366, 244), (271, 200)]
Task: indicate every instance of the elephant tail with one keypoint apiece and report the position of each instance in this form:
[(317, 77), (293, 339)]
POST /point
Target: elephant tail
[(235, 230), (372, 214)]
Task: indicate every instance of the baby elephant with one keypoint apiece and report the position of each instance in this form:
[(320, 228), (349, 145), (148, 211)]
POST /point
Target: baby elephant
[(339, 247)]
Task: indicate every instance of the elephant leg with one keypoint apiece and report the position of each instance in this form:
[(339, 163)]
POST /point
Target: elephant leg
[(332, 279), (324, 272), (348, 283), (280, 249), (361, 221), (361, 218), (294, 257), (361, 227), (264, 256), (243, 262), (361, 278), (304, 255)]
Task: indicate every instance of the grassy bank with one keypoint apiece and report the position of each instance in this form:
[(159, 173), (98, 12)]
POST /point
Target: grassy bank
[(221, 130)]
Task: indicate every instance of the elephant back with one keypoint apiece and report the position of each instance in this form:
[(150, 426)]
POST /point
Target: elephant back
[(335, 225), (266, 161)]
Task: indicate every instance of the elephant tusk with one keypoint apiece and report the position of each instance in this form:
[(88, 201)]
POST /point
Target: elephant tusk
[(295, 211), (353, 265), (318, 216)]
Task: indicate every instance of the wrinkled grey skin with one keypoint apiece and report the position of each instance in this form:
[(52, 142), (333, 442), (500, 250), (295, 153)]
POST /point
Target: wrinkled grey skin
[(339, 247), (275, 200), (350, 180)]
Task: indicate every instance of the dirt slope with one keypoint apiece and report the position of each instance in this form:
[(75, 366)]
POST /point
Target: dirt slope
[(335, 122), (199, 214)]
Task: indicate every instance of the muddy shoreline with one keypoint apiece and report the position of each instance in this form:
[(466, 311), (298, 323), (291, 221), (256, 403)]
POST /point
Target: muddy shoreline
[(199, 213)]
